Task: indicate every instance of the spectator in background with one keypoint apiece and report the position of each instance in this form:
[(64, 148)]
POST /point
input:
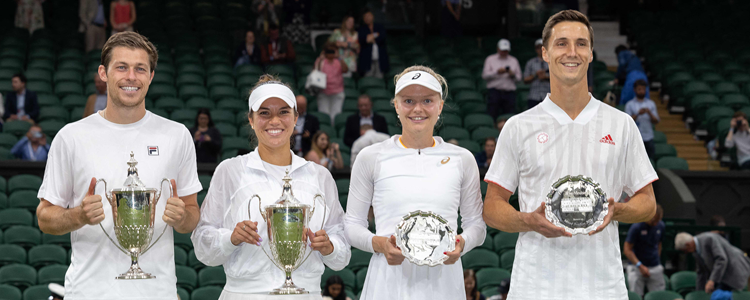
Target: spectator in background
[(297, 20), (334, 289), (307, 125), (324, 152), (501, 71), (453, 142), (738, 136), (643, 249), (276, 50), (718, 221), (122, 15), (266, 12), (500, 123), (206, 137), (367, 136), (451, 18), (365, 116), (21, 104), (720, 266), (470, 286), (347, 41), (98, 101), (2, 110), (373, 53), (33, 146), (29, 14), (249, 52), (629, 70), (502, 290), (93, 23), (643, 111), (331, 99), (484, 158), (536, 72)]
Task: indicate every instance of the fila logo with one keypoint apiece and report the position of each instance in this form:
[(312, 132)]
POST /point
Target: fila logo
[(607, 140), (416, 76), (153, 150)]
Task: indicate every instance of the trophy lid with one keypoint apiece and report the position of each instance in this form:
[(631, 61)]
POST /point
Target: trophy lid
[(287, 196), (133, 182)]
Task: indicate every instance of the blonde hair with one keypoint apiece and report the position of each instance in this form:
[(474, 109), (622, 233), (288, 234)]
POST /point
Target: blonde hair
[(426, 69)]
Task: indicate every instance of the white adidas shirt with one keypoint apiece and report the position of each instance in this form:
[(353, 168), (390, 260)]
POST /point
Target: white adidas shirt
[(95, 147), (543, 144), (396, 181)]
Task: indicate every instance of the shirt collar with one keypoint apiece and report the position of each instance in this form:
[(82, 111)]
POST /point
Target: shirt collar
[(559, 114), (254, 161), (695, 239), (22, 93)]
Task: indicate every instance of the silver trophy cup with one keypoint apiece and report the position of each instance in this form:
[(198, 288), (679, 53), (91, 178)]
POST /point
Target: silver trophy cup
[(287, 221), (423, 237), (577, 204), (133, 210)]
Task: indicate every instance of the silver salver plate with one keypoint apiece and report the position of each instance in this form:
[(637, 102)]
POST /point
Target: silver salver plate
[(423, 237), (577, 204)]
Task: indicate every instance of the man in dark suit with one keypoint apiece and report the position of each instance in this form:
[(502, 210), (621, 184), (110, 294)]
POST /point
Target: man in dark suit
[(372, 36), (21, 104), (307, 126), (365, 116), (720, 266)]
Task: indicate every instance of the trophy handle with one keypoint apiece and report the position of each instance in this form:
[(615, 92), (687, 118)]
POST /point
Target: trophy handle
[(114, 215), (263, 215), (153, 207), (312, 211)]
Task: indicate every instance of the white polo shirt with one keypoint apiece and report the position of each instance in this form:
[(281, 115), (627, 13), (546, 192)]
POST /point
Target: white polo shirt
[(95, 147), (543, 144)]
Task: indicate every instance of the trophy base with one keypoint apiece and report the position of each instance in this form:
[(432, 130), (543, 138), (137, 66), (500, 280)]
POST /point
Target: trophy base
[(288, 290), (135, 274)]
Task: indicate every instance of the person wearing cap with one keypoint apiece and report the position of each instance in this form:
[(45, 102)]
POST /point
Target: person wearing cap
[(408, 172), (568, 134), (502, 290), (536, 73), (228, 236), (501, 71)]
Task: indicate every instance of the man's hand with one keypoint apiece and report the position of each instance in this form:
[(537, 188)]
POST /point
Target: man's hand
[(13, 117), (644, 271), (541, 74), (92, 210), (643, 111), (306, 134), (175, 211), (607, 218), (197, 135), (454, 255), (709, 287), (538, 222), (501, 71), (319, 241)]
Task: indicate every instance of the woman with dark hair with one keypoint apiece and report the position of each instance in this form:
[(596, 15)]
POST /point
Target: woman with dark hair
[(206, 137), (324, 152), (334, 289), (470, 286)]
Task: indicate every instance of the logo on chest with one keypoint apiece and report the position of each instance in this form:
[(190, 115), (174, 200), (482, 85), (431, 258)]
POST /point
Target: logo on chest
[(153, 150), (542, 138), (607, 140)]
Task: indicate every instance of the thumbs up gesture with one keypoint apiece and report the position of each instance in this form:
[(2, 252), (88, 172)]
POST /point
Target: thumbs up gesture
[(175, 211), (92, 211)]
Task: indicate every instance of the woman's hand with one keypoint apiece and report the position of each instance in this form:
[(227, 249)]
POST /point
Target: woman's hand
[(320, 242), (388, 247), (246, 232), (454, 255)]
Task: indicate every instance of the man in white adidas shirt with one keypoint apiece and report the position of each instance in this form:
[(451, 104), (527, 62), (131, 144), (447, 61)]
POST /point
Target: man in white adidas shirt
[(99, 146), (565, 135)]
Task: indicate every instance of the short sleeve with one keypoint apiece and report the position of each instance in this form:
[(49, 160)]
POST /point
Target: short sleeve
[(503, 169), (632, 233), (57, 184), (654, 111), (187, 177), (638, 170), (630, 109)]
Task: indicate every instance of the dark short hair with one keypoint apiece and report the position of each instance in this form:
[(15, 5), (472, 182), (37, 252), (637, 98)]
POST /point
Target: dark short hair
[(640, 82), (130, 40), (489, 139), (620, 48), (739, 114), (716, 219), (568, 15), (365, 96), (206, 112), (20, 76)]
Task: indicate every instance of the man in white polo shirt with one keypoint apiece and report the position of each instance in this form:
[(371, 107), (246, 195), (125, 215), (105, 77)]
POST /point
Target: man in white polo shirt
[(99, 146), (569, 133)]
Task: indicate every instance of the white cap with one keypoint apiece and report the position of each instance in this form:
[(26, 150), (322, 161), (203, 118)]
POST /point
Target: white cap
[(504, 45), (56, 289), (271, 90), (421, 78), (538, 42)]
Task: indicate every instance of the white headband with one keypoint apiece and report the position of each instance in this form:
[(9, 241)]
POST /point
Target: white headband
[(421, 78), (271, 90)]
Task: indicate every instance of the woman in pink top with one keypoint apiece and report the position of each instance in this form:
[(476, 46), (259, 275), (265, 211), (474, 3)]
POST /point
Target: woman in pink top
[(122, 15), (331, 99)]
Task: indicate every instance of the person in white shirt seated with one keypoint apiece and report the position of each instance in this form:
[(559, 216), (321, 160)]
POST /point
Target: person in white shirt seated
[(409, 172), (368, 136), (228, 236)]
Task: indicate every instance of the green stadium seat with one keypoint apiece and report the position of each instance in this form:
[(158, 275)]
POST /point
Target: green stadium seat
[(220, 80), (487, 244), (359, 260), (183, 294), (12, 254), (226, 130), (156, 91), (725, 88), (232, 104), (280, 70), (39, 75), (24, 182), (740, 79), (51, 127), (67, 76), (187, 278), (162, 78), (342, 185), (206, 293), (474, 121), (24, 236), (361, 277), (184, 116), (480, 258), (190, 91), (43, 255), (17, 128), (453, 74), (683, 282), (56, 113), (8, 140), (662, 295), (235, 143), (52, 273), (340, 120), (506, 260), (698, 295), (18, 275), (221, 91), (189, 79), (219, 69), (633, 296), (672, 163), (3, 185), (209, 276), (65, 88), (694, 88), (72, 101), (10, 292), (40, 87), (42, 53), (449, 119), (191, 69), (664, 150), (505, 241), (461, 85), (38, 65), (660, 137), (199, 102), (470, 145), (740, 295), (36, 292), (222, 115), (346, 275), (48, 100), (735, 101), (14, 216), (6, 155), (169, 103), (193, 261), (450, 132), (711, 78), (11, 63), (183, 241), (249, 70), (71, 65), (492, 290), (491, 277), (379, 94), (482, 133), (24, 199), (467, 108)]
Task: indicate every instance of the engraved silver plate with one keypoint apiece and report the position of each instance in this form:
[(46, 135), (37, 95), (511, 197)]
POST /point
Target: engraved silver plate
[(577, 204), (423, 237)]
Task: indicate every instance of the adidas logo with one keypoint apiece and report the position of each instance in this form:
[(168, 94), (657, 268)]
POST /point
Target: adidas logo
[(607, 140)]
